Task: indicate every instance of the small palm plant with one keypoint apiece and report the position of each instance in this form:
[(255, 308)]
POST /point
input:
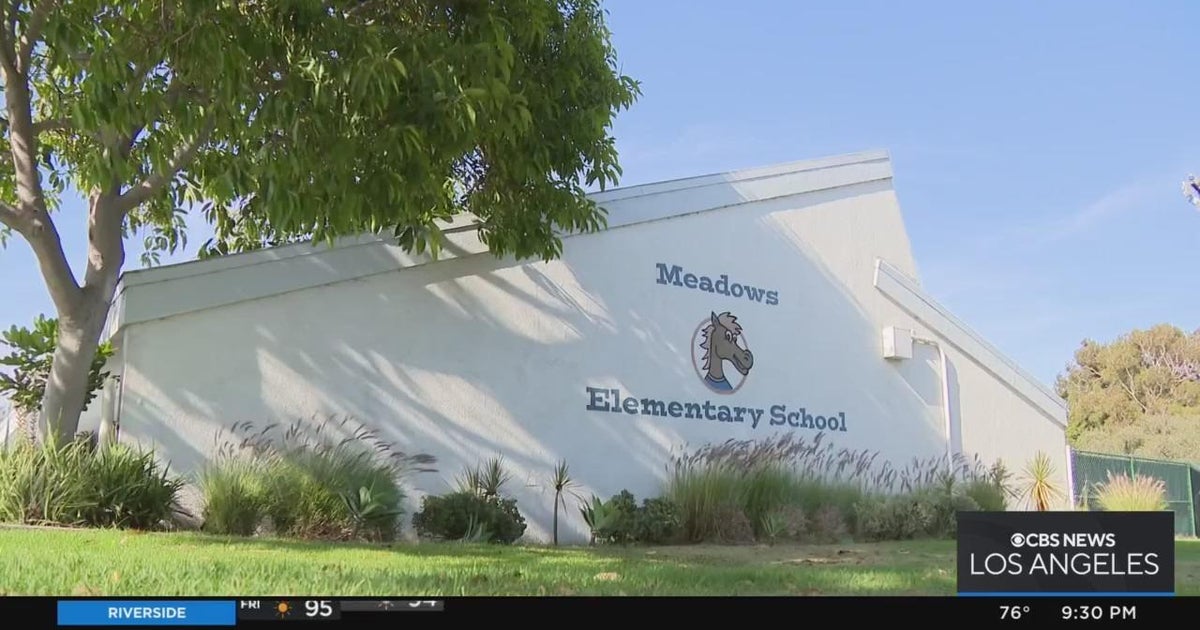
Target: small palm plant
[(1038, 487), (486, 480), (563, 484)]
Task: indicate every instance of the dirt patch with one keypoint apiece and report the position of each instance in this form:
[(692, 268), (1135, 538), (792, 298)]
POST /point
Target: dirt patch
[(764, 554), (837, 557)]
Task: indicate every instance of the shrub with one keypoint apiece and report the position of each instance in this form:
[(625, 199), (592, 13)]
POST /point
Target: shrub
[(987, 495), (788, 523), (829, 525), (773, 527), (316, 494), (476, 512), (618, 521), (939, 508), (705, 494), (832, 499), (234, 497), (311, 484), (1140, 493), (129, 489), (734, 527), (656, 522), (763, 490), (465, 515), (759, 478), (885, 518), (79, 484), (43, 483), (928, 512), (767, 483)]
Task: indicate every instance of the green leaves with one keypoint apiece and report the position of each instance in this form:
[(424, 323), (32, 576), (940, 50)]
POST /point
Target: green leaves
[(369, 117), (1142, 374), (29, 359)]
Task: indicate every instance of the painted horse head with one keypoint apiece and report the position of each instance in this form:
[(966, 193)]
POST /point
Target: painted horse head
[(720, 344)]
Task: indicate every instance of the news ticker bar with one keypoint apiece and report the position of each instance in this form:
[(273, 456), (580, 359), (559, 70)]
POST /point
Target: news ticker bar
[(981, 610), (226, 612)]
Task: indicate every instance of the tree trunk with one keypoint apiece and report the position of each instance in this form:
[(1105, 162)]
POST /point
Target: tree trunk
[(67, 386), (81, 323), (556, 500)]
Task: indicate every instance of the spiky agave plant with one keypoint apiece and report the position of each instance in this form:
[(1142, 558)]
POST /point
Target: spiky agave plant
[(601, 516), (1038, 487)]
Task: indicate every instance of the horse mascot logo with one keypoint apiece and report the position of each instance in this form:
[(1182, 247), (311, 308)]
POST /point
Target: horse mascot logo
[(719, 340)]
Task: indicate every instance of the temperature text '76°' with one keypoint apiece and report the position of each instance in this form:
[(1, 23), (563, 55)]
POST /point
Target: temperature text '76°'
[(1013, 612)]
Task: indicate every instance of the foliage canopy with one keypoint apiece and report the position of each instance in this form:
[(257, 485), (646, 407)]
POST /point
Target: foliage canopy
[(1138, 394), (285, 120)]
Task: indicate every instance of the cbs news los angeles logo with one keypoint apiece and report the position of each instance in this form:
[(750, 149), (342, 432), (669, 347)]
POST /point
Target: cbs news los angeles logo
[(1066, 552)]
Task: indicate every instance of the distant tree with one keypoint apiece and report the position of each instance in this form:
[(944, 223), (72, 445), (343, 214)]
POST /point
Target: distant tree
[(1139, 393), (1166, 437), (285, 120)]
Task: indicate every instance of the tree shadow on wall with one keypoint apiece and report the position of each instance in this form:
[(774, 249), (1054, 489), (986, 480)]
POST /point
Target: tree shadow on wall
[(477, 356)]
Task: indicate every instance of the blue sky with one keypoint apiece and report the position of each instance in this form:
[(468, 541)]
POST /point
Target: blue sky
[(1038, 147)]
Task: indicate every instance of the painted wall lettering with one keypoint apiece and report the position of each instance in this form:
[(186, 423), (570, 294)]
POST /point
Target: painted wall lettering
[(610, 400), (678, 276)]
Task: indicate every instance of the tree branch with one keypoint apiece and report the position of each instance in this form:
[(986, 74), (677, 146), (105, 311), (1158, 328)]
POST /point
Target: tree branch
[(1128, 389), (6, 44), (43, 237), (52, 124), (10, 217), (106, 247), (153, 184), (22, 141), (33, 32), (32, 220), (14, 12)]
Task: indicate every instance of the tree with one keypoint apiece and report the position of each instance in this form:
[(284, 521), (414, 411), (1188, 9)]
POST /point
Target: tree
[(286, 120), (31, 351), (1139, 394)]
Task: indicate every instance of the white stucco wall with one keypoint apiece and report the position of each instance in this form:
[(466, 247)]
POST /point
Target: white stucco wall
[(473, 356)]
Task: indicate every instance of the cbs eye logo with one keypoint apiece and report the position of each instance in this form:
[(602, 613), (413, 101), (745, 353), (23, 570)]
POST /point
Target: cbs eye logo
[(1019, 540)]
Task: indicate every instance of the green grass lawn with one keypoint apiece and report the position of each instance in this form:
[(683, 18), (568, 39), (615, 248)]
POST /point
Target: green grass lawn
[(93, 562)]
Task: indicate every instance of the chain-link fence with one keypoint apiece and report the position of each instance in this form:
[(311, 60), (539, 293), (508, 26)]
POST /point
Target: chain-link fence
[(1182, 481)]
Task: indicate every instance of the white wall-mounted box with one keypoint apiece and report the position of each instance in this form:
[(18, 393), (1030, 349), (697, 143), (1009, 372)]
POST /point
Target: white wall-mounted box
[(897, 343)]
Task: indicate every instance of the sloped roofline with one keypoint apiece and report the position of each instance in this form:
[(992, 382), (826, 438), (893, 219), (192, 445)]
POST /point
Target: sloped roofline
[(196, 285), (612, 197), (898, 287)]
